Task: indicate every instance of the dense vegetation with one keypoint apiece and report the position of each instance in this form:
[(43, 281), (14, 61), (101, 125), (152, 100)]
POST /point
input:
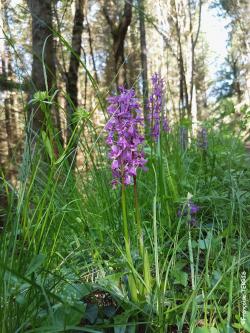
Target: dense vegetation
[(124, 207)]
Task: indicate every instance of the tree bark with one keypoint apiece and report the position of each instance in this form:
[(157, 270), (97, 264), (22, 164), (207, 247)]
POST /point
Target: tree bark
[(9, 128), (41, 13), (72, 75), (144, 60), (183, 90), (92, 51), (247, 92), (119, 30)]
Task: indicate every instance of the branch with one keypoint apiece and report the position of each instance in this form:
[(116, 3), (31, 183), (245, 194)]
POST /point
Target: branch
[(126, 17), (12, 85), (108, 19), (199, 25)]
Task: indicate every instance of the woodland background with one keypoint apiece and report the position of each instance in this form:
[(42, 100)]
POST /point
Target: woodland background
[(119, 42)]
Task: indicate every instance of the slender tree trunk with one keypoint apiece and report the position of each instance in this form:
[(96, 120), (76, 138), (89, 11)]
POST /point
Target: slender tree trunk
[(3, 134), (183, 88), (144, 60), (247, 92), (85, 82), (119, 31), (4, 161), (72, 75), (41, 13), (92, 51), (9, 130)]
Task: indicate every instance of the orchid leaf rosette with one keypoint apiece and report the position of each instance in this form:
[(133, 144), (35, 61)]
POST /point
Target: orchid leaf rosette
[(125, 136)]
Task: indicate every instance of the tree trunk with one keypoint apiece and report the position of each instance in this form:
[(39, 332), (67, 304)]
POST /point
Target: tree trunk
[(72, 75), (119, 31), (92, 51), (9, 152), (42, 33), (247, 92), (144, 61)]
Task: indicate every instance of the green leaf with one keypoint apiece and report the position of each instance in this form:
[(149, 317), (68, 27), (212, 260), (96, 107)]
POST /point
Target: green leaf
[(180, 277), (48, 145), (80, 114), (121, 322), (213, 330), (36, 262), (206, 330), (205, 243), (201, 330), (120, 329), (109, 311), (61, 158), (75, 291), (216, 276), (69, 315), (91, 313), (131, 329)]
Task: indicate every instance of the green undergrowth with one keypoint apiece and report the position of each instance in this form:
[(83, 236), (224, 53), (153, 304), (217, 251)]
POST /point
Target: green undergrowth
[(63, 262)]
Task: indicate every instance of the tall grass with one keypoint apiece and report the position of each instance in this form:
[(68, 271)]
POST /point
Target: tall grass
[(64, 265), (63, 243)]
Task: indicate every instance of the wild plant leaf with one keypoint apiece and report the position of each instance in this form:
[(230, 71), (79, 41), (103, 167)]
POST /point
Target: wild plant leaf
[(67, 314), (121, 322), (109, 311), (36, 263), (120, 329), (48, 145), (131, 328), (75, 291), (206, 330), (216, 276), (91, 313), (180, 277), (205, 243)]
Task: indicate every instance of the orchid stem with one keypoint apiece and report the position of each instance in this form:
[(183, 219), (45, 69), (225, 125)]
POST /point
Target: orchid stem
[(131, 279), (138, 219)]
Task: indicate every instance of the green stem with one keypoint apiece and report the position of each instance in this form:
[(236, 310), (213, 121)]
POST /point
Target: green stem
[(156, 248), (191, 258), (131, 279), (138, 220), (124, 214)]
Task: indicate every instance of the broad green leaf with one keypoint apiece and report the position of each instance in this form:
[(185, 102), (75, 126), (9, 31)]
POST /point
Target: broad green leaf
[(36, 262), (69, 315), (206, 330), (205, 243), (76, 291), (180, 277), (110, 311), (91, 313), (201, 330)]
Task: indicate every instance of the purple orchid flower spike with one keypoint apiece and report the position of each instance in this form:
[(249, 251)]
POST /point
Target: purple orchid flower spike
[(155, 106), (190, 211), (193, 208), (124, 136)]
